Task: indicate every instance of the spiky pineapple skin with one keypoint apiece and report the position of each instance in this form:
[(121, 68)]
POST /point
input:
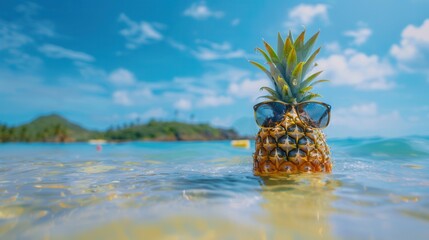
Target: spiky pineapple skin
[(290, 147)]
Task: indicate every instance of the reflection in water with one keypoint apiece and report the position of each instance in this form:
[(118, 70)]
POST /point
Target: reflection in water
[(298, 206), (293, 207)]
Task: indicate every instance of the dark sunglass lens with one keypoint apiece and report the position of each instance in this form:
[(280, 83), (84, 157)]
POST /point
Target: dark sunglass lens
[(314, 114), (270, 114)]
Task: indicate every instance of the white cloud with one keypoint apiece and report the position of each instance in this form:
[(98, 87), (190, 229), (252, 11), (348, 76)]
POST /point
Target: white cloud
[(203, 90), (219, 86), (366, 120), (150, 114), (207, 50), (248, 88), (224, 122), (54, 51), (353, 68), (18, 82), (18, 33), (214, 101), (369, 109), (211, 82), (11, 36), (122, 76), (154, 113), (183, 104), (213, 51), (235, 22), (142, 93), (89, 71), (360, 35), (190, 85), (44, 28), (28, 8), (333, 47), (413, 50), (227, 73), (305, 14), (139, 33), (138, 94), (30, 94), (122, 98), (177, 45), (134, 116), (200, 11), (22, 60)]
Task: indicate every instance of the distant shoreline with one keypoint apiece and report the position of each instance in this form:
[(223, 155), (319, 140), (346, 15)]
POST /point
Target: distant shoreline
[(55, 128), (130, 141)]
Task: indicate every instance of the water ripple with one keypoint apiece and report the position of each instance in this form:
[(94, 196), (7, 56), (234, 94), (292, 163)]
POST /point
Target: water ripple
[(167, 189)]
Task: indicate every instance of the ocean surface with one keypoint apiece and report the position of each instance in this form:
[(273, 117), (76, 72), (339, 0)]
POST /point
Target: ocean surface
[(379, 189)]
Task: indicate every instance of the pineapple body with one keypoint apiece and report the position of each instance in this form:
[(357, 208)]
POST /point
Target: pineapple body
[(290, 147)]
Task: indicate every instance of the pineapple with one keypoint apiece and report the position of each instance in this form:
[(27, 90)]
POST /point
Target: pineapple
[(291, 146)]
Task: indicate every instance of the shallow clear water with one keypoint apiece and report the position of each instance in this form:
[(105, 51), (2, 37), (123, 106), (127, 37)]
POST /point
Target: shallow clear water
[(379, 189)]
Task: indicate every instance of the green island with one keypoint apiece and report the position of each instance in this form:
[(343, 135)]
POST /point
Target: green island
[(55, 128)]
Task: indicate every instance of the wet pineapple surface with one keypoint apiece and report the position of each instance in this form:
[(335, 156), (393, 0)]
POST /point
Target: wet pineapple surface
[(290, 147)]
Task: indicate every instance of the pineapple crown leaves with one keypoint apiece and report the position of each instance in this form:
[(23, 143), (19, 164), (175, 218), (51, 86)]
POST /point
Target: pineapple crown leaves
[(288, 68)]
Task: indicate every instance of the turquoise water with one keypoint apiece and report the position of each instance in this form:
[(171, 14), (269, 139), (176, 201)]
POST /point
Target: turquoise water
[(379, 189)]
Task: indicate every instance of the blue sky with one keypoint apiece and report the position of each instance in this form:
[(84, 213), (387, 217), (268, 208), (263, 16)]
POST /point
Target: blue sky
[(102, 63)]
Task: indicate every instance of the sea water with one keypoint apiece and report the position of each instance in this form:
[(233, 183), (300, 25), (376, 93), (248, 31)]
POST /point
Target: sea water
[(379, 189)]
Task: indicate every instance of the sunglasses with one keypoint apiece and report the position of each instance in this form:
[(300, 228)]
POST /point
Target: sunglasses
[(272, 113)]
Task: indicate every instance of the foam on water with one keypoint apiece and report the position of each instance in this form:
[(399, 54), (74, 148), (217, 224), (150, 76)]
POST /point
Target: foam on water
[(379, 189)]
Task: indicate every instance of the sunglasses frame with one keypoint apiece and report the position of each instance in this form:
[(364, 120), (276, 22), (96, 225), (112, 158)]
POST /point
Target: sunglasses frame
[(294, 106)]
